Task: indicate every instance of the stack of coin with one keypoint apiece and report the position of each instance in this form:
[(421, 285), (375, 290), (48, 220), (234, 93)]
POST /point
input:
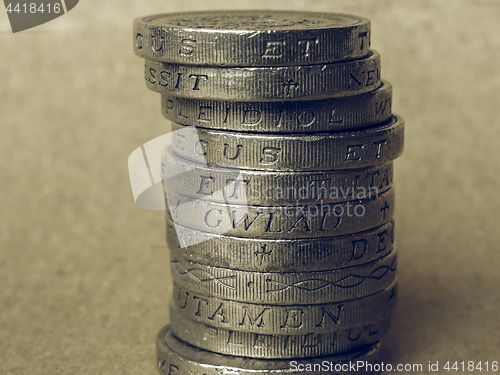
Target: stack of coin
[(280, 189)]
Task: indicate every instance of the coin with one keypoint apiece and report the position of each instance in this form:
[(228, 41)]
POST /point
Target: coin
[(293, 152), (260, 38), (337, 114), (280, 222), (176, 357), (276, 255), (257, 345), (286, 288), (273, 188), (279, 183), (284, 319), (301, 82)]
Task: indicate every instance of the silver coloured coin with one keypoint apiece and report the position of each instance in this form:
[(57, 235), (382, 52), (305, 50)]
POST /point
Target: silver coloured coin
[(286, 288), (338, 114), (251, 37), (281, 222), (301, 82), (276, 346), (175, 356), (273, 188), (284, 319), (297, 152), (276, 255)]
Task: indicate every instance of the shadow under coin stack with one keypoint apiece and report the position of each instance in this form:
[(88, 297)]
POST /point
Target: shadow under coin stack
[(280, 225)]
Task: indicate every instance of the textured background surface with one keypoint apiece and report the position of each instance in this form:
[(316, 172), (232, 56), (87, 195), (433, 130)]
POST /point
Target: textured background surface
[(84, 273)]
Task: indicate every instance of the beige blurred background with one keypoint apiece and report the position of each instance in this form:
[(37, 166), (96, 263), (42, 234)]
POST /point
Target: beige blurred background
[(84, 280)]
